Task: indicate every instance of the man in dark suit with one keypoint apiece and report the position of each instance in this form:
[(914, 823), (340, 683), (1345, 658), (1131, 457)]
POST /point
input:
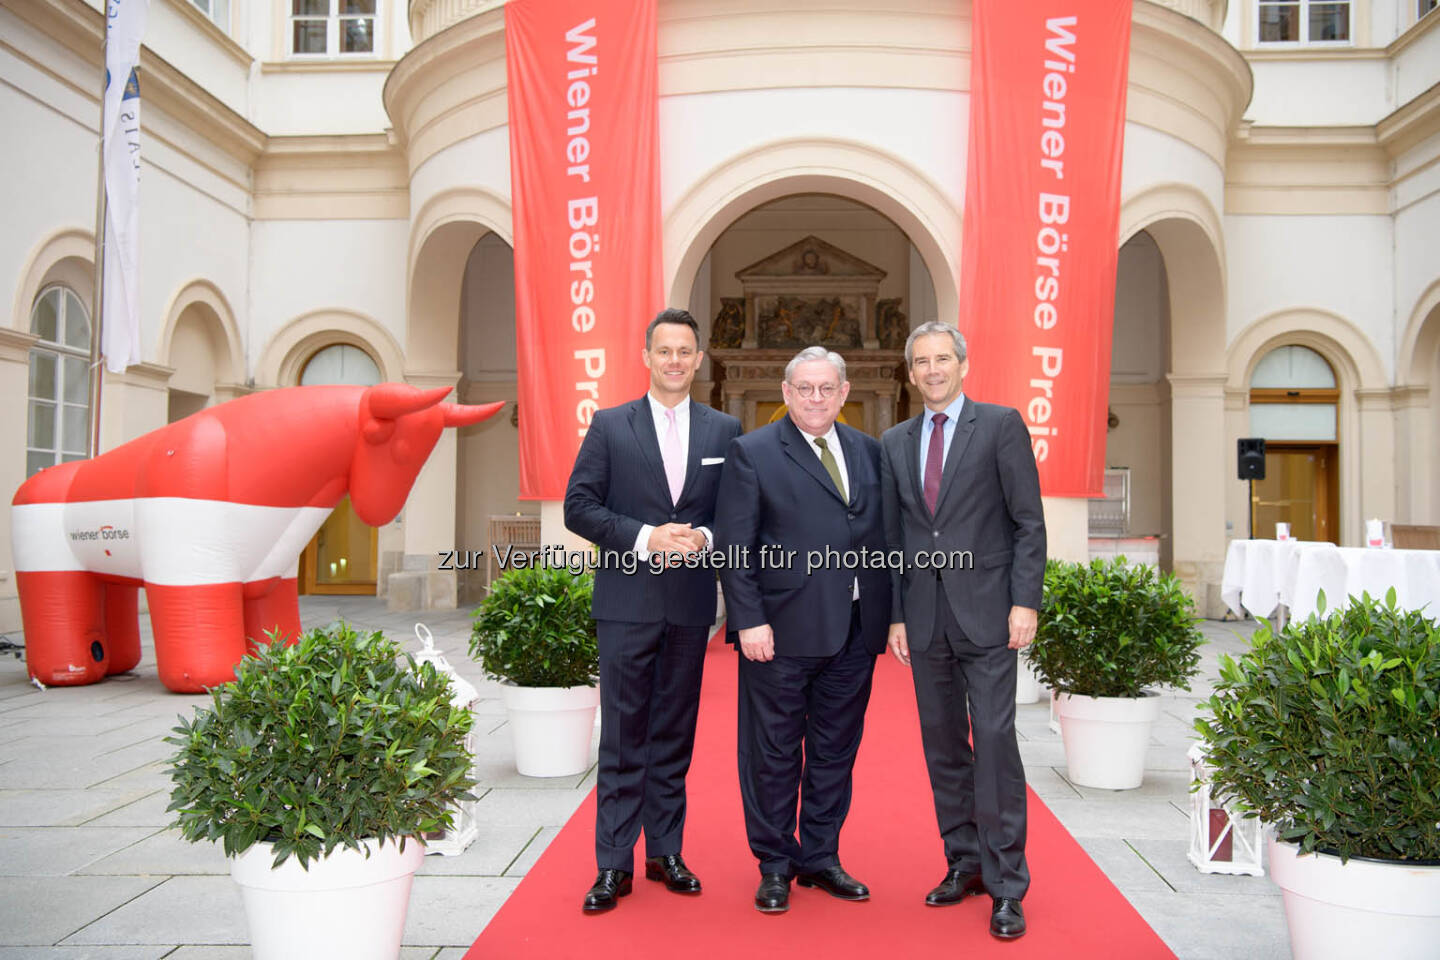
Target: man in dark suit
[(643, 489), (799, 495), (962, 500)]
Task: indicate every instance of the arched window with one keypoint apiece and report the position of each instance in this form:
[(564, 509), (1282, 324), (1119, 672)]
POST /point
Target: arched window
[(340, 363), (342, 556), (1293, 405), (59, 408)]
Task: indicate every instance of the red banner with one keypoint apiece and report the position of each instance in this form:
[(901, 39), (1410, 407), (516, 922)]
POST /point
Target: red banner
[(585, 188), (1042, 209)]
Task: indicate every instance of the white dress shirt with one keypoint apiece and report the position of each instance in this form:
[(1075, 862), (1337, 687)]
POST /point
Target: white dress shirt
[(832, 442), (662, 426)]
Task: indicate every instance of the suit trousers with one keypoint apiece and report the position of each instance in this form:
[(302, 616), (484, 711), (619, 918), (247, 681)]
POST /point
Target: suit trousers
[(649, 698), (801, 719), (965, 695)]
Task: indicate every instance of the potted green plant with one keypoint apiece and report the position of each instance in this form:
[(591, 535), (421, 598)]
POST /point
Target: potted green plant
[(1329, 731), (534, 632), (318, 769), (1108, 633)]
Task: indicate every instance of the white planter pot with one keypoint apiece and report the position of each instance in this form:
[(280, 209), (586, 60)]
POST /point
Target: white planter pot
[(344, 905), (553, 727), (1106, 738), (1027, 684), (1361, 908)]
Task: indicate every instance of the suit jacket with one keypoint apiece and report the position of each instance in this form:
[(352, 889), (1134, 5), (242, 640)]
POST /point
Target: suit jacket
[(618, 485), (774, 493), (989, 504)]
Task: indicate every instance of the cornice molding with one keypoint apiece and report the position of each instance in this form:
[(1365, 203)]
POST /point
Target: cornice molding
[(360, 177), (1420, 28), (15, 345), (324, 66), (1414, 122)]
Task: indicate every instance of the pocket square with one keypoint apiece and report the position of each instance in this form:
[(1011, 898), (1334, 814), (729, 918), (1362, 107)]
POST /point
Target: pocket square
[(711, 461)]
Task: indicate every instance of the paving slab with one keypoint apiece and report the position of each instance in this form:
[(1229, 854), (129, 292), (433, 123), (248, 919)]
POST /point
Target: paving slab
[(85, 953), (528, 808), (57, 808), (1204, 927), (42, 911), (204, 910), (495, 848), (147, 810), (451, 911), (57, 851), (162, 853)]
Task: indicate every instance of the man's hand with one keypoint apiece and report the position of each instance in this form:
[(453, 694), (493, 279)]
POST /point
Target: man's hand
[(898, 643), (677, 538), (1022, 627), (758, 643)]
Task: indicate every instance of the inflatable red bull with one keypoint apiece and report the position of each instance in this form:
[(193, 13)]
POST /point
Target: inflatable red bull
[(208, 514)]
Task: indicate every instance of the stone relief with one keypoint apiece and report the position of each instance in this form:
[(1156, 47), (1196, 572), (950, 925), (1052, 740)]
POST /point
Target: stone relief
[(799, 321), (892, 326), (728, 330)]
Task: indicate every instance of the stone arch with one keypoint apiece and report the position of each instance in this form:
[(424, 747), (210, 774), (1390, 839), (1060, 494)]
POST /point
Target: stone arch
[(284, 356), (1417, 410), (1365, 424), (203, 297), (920, 208), (1348, 351), (1421, 341), (1186, 227), (66, 256), (445, 231)]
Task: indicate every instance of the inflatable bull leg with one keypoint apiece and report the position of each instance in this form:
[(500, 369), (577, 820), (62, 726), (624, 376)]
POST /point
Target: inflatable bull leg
[(271, 605), (68, 608), (199, 634)]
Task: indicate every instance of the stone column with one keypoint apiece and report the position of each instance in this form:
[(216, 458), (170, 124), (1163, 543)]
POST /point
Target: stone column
[(1067, 528), (14, 396), (1417, 497), (1197, 428), (1379, 475)]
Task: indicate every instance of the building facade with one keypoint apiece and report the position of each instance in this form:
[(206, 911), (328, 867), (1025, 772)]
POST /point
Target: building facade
[(325, 197)]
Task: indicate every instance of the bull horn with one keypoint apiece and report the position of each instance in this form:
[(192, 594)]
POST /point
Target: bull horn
[(389, 401), (464, 414)]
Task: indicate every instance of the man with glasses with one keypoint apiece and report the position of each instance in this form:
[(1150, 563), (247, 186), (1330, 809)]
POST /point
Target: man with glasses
[(801, 496)]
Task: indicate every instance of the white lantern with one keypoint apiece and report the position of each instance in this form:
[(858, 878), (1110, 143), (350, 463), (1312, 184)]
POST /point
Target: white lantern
[(1221, 840), (463, 826)]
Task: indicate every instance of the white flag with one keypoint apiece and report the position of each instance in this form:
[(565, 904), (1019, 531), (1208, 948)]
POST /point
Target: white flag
[(120, 136)]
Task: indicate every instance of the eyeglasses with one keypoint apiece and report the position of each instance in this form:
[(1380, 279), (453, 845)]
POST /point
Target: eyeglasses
[(808, 390)]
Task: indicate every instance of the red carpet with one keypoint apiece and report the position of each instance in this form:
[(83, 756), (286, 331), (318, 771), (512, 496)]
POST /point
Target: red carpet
[(890, 842)]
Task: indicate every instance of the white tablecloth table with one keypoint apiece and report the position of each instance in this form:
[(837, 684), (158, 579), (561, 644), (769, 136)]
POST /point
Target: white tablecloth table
[(1261, 575)]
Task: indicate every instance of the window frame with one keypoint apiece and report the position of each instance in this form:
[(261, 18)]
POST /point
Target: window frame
[(210, 15), (334, 22), (57, 451), (1304, 15)]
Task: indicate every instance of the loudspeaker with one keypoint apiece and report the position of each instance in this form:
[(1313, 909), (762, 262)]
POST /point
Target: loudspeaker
[(1251, 454)]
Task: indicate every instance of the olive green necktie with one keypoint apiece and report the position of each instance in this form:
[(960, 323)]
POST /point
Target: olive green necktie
[(831, 467)]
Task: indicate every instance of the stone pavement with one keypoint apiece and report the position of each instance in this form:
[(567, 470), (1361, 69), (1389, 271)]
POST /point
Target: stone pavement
[(89, 867)]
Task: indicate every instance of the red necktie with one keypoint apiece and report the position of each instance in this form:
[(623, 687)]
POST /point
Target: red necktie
[(934, 461)]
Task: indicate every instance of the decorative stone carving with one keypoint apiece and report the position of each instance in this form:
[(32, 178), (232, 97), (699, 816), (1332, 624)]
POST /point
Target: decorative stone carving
[(728, 330), (892, 326), (801, 322)]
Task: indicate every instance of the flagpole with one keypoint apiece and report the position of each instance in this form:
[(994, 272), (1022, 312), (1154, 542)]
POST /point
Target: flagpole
[(97, 373)]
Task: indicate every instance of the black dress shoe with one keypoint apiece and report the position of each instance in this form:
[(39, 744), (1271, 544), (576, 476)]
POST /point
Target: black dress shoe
[(1007, 920), (673, 871), (956, 886), (609, 887), (774, 893), (836, 882)]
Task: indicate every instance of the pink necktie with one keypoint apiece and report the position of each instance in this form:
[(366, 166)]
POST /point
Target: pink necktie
[(674, 457)]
